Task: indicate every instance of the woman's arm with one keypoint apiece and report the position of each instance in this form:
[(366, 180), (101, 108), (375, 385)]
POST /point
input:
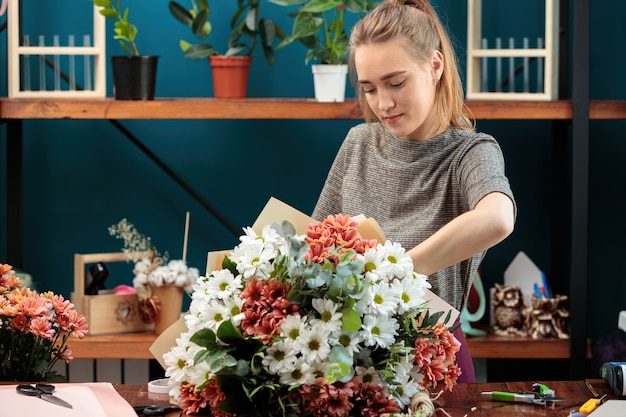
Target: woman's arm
[(472, 232)]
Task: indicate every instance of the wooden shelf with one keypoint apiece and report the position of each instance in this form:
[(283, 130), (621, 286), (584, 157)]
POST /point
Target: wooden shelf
[(137, 345), (113, 346), (517, 347), (273, 108)]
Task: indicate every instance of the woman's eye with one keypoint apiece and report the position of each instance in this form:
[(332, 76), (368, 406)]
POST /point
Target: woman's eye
[(396, 85)]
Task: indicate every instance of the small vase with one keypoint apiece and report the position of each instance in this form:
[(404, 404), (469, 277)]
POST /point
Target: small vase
[(329, 82), (170, 299)]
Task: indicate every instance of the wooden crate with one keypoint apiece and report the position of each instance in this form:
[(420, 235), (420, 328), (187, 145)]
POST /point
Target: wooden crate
[(105, 313)]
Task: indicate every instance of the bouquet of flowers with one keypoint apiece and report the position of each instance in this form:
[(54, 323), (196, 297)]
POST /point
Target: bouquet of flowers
[(322, 324), (34, 330), (152, 269)]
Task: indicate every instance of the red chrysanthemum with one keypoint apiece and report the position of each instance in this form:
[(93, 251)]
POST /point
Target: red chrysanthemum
[(265, 306)]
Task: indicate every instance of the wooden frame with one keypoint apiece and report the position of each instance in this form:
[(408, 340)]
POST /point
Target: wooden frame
[(548, 53), (15, 52)]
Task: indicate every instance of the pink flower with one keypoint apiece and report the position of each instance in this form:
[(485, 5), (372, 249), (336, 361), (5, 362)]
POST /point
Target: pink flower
[(372, 400), (41, 327), (334, 236), (434, 356), (265, 307), (41, 324)]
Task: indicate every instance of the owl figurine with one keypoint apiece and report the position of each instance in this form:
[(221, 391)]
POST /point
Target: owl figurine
[(509, 311)]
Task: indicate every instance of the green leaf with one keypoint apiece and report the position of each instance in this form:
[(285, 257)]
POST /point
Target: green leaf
[(306, 24), (205, 338), (287, 2), (180, 13), (199, 24), (228, 333), (350, 320), (102, 3), (358, 6), (319, 6)]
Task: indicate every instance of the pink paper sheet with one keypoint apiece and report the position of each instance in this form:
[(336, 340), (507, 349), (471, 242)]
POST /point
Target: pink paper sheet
[(97, 399)]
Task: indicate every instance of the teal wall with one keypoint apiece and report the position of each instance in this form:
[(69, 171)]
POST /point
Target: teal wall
[(82, 176)]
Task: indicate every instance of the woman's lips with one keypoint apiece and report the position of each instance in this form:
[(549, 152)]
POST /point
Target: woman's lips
[(393, 119)]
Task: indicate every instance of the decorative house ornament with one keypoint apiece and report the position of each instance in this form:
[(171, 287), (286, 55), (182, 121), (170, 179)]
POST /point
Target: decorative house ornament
[(62, 56), (512, 69)]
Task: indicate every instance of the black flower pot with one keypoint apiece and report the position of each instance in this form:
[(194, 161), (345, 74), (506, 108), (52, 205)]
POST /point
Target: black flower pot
[(134, 77)]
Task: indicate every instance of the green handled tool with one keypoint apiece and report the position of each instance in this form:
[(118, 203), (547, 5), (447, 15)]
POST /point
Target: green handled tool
[(510, 397)]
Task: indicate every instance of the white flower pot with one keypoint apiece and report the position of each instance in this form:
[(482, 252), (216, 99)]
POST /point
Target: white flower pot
[(329, 82)]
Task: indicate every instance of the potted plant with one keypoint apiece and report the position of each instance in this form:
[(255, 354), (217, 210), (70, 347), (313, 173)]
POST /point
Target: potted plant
[(320, 26), (134, 75), (234, 63)]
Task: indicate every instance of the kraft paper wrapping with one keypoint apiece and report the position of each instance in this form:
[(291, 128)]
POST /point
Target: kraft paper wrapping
[(97, 399), (275, 211)]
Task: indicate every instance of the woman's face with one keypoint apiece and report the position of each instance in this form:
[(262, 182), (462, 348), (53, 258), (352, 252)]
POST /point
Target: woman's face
[(400, 90)]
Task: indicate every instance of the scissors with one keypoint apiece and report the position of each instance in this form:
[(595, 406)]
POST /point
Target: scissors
[(154, 410), (43, 391)]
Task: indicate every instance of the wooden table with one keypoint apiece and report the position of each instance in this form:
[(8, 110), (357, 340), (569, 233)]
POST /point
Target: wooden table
[(464, 400)]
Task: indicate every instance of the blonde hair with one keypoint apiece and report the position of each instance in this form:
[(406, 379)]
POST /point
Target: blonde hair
[(418, 23)]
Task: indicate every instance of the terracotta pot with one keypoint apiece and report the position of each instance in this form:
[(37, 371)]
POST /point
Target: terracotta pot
[(230, 75), (170, 306)]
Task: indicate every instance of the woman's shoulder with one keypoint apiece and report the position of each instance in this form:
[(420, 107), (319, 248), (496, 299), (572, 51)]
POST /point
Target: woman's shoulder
[(364, 134)]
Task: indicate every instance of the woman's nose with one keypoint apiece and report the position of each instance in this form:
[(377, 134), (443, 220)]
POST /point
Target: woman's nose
[(385, 101)]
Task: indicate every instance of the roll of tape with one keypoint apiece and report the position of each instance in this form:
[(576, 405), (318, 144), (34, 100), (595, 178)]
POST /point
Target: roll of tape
[(159, 386)]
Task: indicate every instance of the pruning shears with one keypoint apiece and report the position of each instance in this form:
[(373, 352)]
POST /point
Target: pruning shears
[(541, 395)]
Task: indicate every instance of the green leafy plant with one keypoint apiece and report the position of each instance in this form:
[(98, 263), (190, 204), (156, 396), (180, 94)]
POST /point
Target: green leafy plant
[(246, 22), (320, 26), (125, 31)]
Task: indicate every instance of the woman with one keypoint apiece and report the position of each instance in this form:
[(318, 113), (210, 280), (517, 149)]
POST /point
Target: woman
[(418, 167)]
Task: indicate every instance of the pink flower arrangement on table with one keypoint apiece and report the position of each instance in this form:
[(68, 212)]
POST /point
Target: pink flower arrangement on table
[(321, 324), (34, 330)]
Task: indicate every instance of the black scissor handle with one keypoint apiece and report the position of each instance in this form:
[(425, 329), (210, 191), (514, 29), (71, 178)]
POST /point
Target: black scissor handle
[(45, 388), (154, 410), (28, 390)]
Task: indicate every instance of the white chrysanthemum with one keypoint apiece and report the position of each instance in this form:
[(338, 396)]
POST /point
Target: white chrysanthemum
[(216, 314), (293, 327), (315, 345), (180, 359), (379, 330), (399, 263), (301, 373), (233, 306), (269, 237), (199, 373), (385, 299), (280, 357), (222, 284), (368, 374), (349, 340), (330, 318), (412, 291), (372, 259), (254, 259), (404, 386)]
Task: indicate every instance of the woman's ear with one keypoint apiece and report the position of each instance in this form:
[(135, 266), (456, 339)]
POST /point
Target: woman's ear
[(437, 65)]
